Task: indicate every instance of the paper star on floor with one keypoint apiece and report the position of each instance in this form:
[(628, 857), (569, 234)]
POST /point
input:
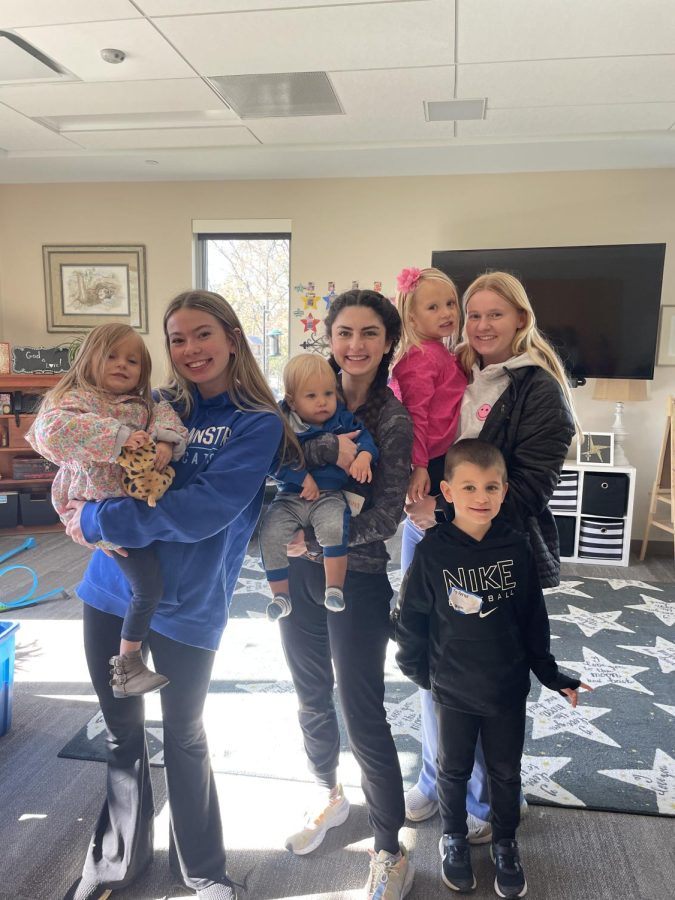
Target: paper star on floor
[(591, 623), (404, 716), (553, 715), (253, 586), (660, 779), (669, 709), (253, 563), (568, 587), (662, 609), (663, 651), (597, 671), (618, 583), (536, 771)]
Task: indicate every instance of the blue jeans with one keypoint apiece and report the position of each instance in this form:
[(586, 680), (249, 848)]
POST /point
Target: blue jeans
[(477, 797)]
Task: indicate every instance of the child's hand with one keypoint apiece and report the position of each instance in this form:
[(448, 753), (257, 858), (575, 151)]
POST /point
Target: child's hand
[(360, 469), (419, 484), (163, 455), (310, 489), (572, 695), (137, 439)]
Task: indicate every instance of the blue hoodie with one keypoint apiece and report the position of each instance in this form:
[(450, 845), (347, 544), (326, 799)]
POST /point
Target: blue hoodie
[(202, 524)]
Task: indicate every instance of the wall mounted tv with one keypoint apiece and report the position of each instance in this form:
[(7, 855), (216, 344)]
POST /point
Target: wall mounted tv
[(599, 306)]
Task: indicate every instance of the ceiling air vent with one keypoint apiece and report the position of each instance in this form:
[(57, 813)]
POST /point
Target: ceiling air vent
[(454, 110), (279, 94), (21, 62)]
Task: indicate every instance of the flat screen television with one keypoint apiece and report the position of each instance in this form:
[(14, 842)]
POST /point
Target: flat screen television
[(599, 306)]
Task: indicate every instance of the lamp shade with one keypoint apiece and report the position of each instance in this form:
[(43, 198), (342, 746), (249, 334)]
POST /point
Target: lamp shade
[(621, 389)]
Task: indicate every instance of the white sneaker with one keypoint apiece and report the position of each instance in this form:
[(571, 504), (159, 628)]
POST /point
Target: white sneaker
[(391, 875), (480, 832), (418, 807), (334, 812)]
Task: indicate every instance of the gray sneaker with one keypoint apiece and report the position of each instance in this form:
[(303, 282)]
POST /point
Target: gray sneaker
[(131, 677), (418, 807)]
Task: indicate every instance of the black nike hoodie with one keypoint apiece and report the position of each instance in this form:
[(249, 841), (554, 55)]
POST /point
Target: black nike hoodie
[(471, 622)]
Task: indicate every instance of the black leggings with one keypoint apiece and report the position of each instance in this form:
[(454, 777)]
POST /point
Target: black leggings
[(355, 642), (122, 843)]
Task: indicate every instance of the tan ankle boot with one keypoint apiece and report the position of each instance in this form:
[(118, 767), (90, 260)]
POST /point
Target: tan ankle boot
[(131, 677)]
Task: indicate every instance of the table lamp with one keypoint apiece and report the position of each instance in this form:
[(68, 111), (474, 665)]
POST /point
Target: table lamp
[(621, 390)]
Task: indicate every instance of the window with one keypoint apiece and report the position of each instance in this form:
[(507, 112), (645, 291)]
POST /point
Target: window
[(252, 272)]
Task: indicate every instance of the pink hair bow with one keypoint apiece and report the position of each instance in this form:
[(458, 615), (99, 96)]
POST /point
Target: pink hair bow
[(407, 280)]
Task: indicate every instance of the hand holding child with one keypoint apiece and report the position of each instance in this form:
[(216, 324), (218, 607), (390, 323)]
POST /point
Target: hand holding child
[(310, 489), (419, 484), (360, 469), (163, 454), (573, 695)]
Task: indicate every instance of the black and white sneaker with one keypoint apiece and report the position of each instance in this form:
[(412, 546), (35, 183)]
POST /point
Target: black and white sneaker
[(456, 870), (509, 878)]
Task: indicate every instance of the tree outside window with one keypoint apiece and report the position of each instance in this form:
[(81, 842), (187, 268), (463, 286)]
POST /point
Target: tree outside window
[(253, 274)]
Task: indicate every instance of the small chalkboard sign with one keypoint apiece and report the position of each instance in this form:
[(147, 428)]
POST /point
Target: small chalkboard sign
[(40, 360)]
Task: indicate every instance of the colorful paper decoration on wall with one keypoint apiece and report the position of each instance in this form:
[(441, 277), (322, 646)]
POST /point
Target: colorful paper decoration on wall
[(310, 323)]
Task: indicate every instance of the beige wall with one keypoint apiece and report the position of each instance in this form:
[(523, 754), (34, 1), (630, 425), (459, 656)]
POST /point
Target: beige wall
[(345, 229)]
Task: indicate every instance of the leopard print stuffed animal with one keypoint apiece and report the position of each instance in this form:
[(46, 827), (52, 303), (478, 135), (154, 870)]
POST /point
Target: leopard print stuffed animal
[(140, 479)]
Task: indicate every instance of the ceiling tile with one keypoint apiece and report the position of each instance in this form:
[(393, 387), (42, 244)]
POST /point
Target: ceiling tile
[(22, 13), (326, 38), (571, 120), (153, 138), (571, 82), (78, 48), (549, 29), (19, 133), (80, 98), (379, 105), (179, 7)]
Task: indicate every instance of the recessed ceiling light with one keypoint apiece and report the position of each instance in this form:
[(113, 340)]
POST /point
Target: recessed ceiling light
[(454, 110)]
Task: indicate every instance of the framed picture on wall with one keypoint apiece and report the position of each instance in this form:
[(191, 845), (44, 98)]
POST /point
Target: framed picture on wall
[(596, 448), (666, 352), (4, 358), (88, 285)]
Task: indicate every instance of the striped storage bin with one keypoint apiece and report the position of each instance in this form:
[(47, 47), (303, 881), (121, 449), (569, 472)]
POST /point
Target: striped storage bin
[(601, 538), (566, 494)]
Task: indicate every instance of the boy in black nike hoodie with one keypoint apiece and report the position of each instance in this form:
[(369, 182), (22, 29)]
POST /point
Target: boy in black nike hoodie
[(470, 625)]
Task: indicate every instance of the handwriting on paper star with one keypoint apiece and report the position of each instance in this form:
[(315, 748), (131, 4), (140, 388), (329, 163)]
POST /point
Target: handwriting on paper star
[(662, 609), (618, 583), (591, 623), (253, 586), (597, 671), (660, 779), (536, 772), (310, 323), (663, 651), (404, 716), (551, 714), (252, 563), (567, 587)]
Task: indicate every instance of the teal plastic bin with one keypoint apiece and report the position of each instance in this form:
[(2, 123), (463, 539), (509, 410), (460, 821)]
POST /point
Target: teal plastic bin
[(7, 645)]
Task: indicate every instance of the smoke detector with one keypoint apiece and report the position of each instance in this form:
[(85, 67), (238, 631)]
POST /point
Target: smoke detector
[(110, 55)]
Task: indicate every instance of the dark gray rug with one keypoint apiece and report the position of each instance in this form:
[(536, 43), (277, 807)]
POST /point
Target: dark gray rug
[(614, 752)]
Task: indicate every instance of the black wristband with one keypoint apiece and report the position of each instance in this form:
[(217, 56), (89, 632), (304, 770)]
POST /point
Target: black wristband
[(441, 510)]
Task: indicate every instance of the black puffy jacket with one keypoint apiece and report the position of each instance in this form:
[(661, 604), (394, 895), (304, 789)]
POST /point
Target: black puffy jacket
[(532, 426)]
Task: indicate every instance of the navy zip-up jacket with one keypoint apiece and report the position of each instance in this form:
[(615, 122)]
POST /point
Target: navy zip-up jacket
[(328, 477)]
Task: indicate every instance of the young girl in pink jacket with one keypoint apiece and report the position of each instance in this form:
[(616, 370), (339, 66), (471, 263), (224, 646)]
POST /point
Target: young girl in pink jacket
[(426, 377), (102, 404)]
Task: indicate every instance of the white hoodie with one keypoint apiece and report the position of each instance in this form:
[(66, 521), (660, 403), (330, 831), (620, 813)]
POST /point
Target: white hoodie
[(486, 387)]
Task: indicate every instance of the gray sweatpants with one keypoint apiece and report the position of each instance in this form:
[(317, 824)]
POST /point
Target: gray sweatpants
[(288, 513)]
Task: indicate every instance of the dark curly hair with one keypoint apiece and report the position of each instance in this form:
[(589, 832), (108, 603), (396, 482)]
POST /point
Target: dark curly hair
[(387, 312)]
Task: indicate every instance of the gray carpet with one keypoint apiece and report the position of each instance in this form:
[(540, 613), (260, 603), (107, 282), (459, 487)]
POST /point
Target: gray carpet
[(598, 756)]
